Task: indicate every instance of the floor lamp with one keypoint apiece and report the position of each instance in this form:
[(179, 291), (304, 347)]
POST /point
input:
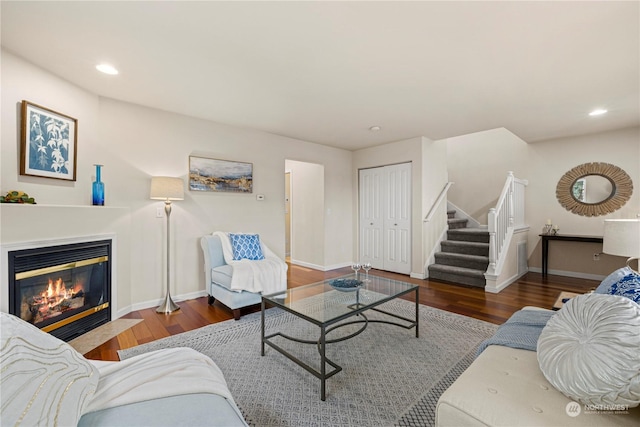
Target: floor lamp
[(167, 189), (622, 238)]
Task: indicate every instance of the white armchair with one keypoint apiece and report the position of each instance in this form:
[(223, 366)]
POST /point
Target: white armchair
[(239, 283)]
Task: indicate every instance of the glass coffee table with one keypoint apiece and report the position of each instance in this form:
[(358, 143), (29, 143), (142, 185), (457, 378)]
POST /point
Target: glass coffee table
[(333, 304)]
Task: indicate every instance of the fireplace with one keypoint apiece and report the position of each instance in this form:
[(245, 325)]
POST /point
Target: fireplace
[(65, 289)]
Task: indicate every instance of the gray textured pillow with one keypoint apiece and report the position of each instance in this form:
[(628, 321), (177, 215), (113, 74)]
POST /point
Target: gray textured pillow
[(43, 380), (590, 350)]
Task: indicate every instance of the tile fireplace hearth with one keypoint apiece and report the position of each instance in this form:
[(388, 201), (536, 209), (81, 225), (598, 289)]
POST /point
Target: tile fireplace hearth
[(63, 289)]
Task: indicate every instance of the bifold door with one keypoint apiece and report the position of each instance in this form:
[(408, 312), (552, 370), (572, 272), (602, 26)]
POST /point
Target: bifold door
[(385, 217)]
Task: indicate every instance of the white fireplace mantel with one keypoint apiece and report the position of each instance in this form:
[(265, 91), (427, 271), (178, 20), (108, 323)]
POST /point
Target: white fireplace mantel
[(30, 226)]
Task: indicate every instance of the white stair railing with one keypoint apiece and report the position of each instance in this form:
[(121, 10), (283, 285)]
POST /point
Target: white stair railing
[(441, 197), (507, 215)]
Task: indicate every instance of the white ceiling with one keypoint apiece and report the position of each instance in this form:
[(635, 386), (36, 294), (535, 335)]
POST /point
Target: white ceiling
[(327, 71)]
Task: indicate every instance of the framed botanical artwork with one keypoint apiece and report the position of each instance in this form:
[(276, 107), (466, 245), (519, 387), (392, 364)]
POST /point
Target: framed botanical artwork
[(48, 145), (220, 175)]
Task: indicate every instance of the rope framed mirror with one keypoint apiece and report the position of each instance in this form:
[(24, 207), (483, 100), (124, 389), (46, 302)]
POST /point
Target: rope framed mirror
[(594, 189)]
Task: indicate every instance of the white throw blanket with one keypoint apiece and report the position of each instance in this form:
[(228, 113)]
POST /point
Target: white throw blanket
[(267, 276), (155, 375)]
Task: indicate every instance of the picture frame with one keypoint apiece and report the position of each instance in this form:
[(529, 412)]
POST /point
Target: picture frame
[(215, 175), (49, 142)]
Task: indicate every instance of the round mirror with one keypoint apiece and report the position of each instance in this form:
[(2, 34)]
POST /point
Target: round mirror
[(594, 189)]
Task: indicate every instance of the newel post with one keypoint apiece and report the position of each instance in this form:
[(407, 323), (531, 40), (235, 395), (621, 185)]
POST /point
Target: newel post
[(492, 223)]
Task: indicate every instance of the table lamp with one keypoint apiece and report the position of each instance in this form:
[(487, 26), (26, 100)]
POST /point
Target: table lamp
[(622, 238), (167, 189)]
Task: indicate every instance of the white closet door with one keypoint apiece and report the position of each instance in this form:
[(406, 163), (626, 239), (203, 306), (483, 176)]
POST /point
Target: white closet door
[(397, 219), (385, 217), (371, 193)]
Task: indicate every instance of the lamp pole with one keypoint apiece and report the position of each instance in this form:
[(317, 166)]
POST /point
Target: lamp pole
[(168, 305)]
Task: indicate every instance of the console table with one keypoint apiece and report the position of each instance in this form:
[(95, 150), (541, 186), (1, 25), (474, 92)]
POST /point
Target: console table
[(566, 238)]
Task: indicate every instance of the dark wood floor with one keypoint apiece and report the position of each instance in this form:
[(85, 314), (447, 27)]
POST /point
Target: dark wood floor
[(531, 289)]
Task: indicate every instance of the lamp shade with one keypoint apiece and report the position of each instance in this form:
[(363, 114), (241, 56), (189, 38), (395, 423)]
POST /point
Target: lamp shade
[(622, 237), (166, 188)]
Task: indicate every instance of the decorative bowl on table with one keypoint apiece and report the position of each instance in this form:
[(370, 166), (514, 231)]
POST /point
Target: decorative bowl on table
[(345, 285)]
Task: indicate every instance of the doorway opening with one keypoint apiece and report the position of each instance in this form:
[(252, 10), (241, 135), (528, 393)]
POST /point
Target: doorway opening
[(304, 211)]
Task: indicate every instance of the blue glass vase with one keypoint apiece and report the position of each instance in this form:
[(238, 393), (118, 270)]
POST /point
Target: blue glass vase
[(98, 188)]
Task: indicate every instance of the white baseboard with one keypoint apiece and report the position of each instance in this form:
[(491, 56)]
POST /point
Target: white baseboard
[(569, 274), (155, 303), (306, 264), (319, 267), (335, 266), (420, 276)]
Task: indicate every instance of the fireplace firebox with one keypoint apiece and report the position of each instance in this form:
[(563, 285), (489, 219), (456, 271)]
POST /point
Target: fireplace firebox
[(64, 290)]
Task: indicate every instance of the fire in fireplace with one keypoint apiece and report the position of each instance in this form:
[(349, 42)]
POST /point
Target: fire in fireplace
[(54, 301), (64, 290)]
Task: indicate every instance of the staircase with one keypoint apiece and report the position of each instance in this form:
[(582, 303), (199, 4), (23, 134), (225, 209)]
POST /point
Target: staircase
[(465, 254)]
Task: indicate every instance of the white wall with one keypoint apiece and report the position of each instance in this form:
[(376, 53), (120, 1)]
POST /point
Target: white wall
[(478, 165), (548, 161), (22, 81), (435, 172), (435, 176), (135, 143)]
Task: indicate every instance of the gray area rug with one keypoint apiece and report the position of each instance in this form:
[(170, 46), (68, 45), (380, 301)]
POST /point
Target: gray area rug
[(389, 376)]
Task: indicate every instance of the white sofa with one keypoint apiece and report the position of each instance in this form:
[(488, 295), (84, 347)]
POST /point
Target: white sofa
[(192, 409), (505, 386), (44, 381), (218, 275)]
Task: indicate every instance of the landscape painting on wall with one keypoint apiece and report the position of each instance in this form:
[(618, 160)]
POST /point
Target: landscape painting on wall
[(220, 175), (48, 143)]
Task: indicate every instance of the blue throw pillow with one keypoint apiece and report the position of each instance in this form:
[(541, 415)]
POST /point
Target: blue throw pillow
[(246, 246), (628, 286), (610, 280)]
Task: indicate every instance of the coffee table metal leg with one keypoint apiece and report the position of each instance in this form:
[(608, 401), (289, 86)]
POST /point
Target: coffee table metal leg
[(262, 326), (417, 313), (321, 343), (323, 363)]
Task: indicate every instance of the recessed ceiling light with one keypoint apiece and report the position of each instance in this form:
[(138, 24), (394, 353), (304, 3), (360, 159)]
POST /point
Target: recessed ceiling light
[(107, 69), (375, 128), (598, 112)]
